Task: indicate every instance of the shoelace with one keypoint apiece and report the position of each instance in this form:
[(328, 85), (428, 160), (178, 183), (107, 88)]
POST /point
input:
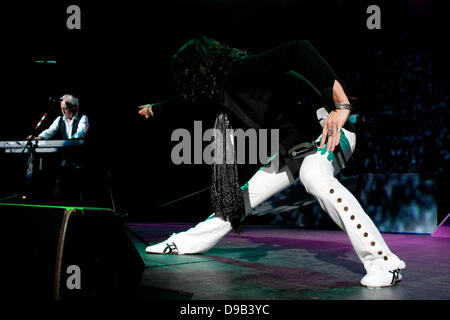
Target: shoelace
[(170, 247), (395, 274)]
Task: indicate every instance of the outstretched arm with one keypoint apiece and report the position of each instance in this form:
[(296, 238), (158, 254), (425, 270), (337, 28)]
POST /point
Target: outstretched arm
[(152, 110)]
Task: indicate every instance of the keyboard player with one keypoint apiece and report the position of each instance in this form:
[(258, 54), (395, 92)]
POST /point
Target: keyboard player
[(70, 125)]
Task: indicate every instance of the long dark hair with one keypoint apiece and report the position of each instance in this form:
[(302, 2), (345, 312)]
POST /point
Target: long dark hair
[(199, 68)]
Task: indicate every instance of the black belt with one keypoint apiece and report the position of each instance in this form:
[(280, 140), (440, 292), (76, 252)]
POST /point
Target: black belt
[(300, 151)]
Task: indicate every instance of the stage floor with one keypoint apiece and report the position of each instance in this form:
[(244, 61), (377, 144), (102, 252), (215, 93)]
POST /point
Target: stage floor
[(288, 263)]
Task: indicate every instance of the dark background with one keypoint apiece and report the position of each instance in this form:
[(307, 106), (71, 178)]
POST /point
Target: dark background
[(120, 60)]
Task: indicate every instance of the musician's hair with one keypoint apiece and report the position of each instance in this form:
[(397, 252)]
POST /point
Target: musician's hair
[(71, 102), (199, 68)]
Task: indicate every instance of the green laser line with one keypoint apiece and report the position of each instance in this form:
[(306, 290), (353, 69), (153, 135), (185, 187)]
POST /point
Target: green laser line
[(54, 207)]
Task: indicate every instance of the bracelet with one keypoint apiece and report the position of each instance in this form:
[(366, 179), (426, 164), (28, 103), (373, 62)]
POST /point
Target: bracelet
[(346, 106)]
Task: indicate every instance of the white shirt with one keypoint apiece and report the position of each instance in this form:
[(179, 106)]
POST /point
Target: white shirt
[(83, 127)]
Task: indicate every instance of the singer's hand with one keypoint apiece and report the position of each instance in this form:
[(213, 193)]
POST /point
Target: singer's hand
[(146, 111), (332, 126)]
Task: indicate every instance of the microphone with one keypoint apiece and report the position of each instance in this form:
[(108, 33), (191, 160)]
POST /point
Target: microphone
[(322, 114), (53, 102)]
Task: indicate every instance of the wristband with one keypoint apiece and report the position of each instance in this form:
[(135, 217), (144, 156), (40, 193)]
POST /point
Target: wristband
[(346, 106)]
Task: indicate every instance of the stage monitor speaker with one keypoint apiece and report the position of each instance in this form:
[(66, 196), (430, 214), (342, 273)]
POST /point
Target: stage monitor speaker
[(443, 230), (67, 253)]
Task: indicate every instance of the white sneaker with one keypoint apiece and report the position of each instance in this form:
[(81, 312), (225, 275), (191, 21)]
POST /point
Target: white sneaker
[(381, 279), (165, 247)]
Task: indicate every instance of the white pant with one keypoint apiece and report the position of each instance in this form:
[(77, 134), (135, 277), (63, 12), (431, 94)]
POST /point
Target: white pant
[(317, 175)]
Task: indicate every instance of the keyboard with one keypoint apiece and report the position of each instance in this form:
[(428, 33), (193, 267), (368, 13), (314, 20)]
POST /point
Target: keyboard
[(39, 146)]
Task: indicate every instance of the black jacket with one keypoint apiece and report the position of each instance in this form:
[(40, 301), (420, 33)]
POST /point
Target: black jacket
[(279, 88)]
